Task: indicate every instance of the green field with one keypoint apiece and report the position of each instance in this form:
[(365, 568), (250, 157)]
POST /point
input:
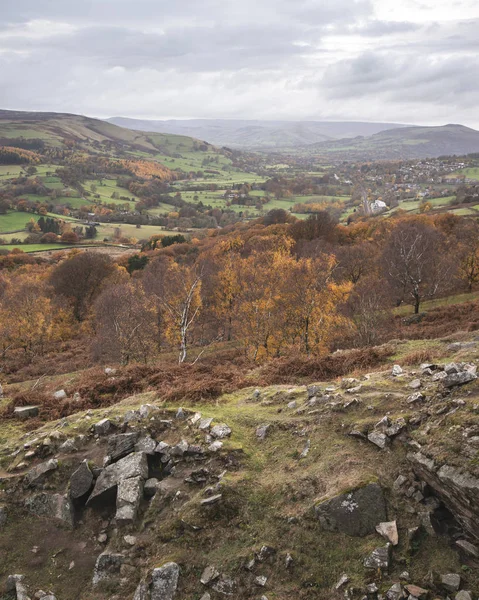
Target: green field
[(36, 247), (469, 173), (15, 221)]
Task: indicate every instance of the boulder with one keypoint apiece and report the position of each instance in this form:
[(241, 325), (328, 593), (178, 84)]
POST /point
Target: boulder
[(224, 585), (103, 427), (121, 445), (379, 439), (25, 412), (164, 582), (81, 482), (220, 431), (395, 592), (133, 465), (389, 531), (468, 548), (179, 449), (128, 498), (146, 444), (142, 591), (205, 423), (15, 583), (451, 582), (38, 473), (262, 432), (415, 384), (51, 505), (209, 574), (456, 487), (355, 513), (396, 371), (107, 565), (60, 395), (463, 595), (379, 559), (416, 397), (455, 379)]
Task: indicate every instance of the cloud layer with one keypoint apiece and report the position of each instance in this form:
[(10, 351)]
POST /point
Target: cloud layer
[(277, 59)]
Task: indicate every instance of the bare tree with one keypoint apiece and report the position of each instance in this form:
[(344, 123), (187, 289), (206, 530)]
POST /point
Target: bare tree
[(125, 324), (416, 262)]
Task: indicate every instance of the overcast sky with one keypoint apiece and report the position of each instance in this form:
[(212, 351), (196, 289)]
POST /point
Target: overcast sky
[(377, 60)]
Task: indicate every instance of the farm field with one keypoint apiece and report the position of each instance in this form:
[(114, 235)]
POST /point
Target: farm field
[(105, 188), (468, 172), (35, 247), (15, 221), (107, 230)]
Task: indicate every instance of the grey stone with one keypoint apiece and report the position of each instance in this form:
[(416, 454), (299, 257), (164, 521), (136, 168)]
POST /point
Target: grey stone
[(165, 581), (415, 384), (68, 446), (463, 595), (39, 472), (133, 465), (389, 531), (451, 368), (220, 431), (121, 445), (109, 371), (343, 580), (262, 431), (306, 449), (53, 506), (60, 395), (142, 591), (162, 448), (348, 383), (265, 553), (151, 487), (103, 427), (396, 371), (179, 449), (416, 592), (26, 412), (261, 580), (439, 376), (205, 423), (468, 548), (379, 559), (81, 481), (107, 565), (381, 440), (355, 513), (180, 414), (130, 540), (209, 574), (211, 500), (206, 596), (224, 585), (130, 492), (394, 592), (396, 427), (215, 446), (313, 390), (451, 582), (15, 584), (459, 379), (147, 445), (416, 397)]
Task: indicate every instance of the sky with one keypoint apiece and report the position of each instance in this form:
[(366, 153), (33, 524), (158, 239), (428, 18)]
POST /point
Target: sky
[(407, 61)]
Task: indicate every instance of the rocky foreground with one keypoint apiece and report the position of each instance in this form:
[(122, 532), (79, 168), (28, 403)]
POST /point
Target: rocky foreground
[(365, 487)]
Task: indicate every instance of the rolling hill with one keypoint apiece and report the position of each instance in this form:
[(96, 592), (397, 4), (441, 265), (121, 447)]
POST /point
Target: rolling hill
[(61, 129), (404, 143), (257, 134)]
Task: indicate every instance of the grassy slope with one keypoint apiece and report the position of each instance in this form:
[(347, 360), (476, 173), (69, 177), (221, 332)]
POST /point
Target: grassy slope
[(268, 496)]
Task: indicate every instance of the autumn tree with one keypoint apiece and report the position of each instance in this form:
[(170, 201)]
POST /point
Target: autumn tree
[(355, 261), (468, 253), (177, 290), (415, 262), (79, 279), (125, 324)]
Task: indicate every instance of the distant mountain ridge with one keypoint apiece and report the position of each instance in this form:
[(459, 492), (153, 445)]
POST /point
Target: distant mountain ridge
[(255, 133), (404, 143)]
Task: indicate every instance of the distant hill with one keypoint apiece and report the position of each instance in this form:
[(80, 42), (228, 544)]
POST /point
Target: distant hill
[(252, 134), (404, 143), (60, 129)]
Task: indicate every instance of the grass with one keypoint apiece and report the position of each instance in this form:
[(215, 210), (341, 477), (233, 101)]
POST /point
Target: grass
[(35, 247), (15, 221), (408, 309)]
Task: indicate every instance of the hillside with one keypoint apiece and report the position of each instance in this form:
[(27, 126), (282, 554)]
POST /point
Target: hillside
[(403, 143), (308, 490), (59, 130), (257, 134)]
